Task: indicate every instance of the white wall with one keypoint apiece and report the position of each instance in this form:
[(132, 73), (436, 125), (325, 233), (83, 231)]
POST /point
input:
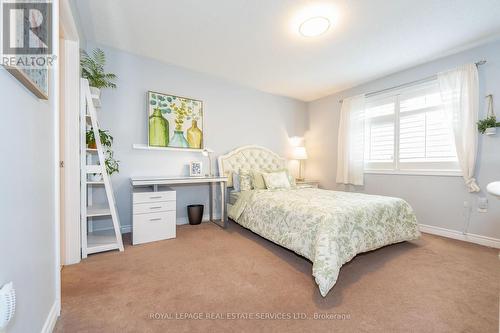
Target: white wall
[(27, 241), (233, 116), (438, 201)]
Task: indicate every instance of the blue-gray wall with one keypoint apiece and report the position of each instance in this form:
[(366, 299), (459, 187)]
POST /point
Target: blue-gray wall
[(233, 116), (438, 201), (27, 235)]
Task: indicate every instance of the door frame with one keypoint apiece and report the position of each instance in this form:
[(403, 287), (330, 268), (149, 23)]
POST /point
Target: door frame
[(67, 150), (69, 62)]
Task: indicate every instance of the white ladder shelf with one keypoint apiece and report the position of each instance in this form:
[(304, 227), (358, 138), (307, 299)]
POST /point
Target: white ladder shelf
[(94, 241)]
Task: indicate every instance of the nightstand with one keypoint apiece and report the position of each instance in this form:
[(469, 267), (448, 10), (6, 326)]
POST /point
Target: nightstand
[(307, 183)]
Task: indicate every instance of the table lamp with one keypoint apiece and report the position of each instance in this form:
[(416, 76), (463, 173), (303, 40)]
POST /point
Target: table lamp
[(207, 153), (300, 154)]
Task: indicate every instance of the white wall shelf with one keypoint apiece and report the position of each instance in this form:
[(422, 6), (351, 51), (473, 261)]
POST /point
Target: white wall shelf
[(146, 147)]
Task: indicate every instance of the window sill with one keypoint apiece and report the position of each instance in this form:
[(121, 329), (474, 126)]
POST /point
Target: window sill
[(441, 173)]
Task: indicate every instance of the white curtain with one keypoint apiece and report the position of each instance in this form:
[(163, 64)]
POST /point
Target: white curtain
[(350, 160), (460, 94)]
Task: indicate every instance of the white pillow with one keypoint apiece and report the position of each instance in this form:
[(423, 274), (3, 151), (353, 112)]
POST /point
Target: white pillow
[(236, 182), (276, 180)]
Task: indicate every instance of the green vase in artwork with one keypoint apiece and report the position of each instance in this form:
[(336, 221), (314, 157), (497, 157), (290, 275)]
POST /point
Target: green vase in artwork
[(178, 140), (194, 135), (158, 129)]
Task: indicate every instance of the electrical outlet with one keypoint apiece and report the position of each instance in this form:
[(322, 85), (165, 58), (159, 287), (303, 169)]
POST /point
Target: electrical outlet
[(482, 204)]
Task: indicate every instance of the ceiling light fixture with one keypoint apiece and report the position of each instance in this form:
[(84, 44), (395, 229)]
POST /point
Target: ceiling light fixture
[(314, 26)]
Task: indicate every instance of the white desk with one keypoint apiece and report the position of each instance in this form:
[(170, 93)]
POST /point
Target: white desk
[(172, 181)]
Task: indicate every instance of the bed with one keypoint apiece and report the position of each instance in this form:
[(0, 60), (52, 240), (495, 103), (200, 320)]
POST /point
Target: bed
[(327, 227)]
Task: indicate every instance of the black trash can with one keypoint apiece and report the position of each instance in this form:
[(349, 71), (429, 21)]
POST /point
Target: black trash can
[(195, 214)]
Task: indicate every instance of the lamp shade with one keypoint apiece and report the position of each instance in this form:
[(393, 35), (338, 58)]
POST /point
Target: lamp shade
[(299, 153)]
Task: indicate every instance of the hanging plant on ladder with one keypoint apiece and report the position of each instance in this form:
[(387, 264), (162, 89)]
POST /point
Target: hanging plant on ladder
[(112, 165)]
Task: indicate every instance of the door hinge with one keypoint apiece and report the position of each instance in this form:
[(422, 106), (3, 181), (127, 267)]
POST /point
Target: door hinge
[(61, 164)]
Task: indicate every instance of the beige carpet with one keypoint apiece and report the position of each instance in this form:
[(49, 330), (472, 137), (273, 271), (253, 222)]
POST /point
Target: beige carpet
[(247, 284)]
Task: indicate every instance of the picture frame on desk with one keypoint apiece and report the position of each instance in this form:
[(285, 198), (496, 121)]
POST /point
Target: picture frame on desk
[(195, 169)]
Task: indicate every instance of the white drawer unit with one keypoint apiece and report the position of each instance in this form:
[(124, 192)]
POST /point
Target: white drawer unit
[(154, 216), (148, 197), (154, 207)]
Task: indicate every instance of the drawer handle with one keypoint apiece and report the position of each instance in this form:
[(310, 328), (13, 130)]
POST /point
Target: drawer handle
[(157, 197), (157, 207), (156, 219)]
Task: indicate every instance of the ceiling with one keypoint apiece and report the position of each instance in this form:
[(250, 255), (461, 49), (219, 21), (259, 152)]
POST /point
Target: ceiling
[(256, 42)]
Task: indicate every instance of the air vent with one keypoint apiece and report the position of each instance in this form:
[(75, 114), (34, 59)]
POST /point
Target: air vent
[(7, 304)]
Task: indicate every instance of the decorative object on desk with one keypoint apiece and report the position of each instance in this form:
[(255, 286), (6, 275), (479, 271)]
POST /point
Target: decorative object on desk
[(184, 114), (93, 70), (112, 165), (195, 214), (488, 126), (207, 152), (300, 154), (195, 169)]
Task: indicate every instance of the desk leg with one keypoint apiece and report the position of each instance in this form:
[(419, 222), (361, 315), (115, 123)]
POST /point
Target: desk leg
[(223, 208), (211, 201)]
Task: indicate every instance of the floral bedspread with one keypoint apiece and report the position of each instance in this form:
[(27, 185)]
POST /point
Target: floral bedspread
[(327, 227)]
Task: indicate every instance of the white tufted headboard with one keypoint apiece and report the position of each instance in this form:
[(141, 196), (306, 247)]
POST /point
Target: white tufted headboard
[(249, 157)]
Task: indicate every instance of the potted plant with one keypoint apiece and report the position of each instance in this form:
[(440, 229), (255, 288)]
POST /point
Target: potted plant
[(106, 138), (488, 125), (92, 67), (112, 165)]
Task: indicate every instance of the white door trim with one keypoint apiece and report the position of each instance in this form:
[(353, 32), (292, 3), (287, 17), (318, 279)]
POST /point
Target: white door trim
[(64, 24), (70, 106), (57, 179)]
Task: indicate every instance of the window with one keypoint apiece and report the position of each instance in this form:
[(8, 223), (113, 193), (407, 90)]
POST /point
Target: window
[(407, 132)]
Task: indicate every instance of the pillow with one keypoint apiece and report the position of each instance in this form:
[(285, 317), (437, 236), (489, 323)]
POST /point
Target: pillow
[(230, 178), (245, 180), (257, 180), (236, 182), (276, 180)]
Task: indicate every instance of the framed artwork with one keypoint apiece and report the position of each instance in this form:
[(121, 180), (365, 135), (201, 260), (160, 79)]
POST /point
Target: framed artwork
[(36, 80), (29, 43), (174, 121), (195, 169)]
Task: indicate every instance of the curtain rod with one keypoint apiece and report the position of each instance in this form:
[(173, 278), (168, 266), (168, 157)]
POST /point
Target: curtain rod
[(426, 79)]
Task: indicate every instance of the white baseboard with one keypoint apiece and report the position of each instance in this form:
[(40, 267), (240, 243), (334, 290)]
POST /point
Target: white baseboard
[(179, 221), (471, 238), (51, 320), (126, 229), (184, 219)]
